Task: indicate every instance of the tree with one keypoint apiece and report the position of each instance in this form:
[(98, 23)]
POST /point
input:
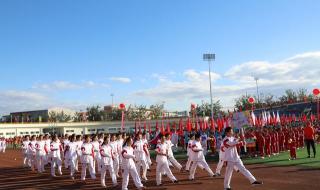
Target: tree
[(95, 114), (302, 94), (205, 109), (59, 117), (156, 111)]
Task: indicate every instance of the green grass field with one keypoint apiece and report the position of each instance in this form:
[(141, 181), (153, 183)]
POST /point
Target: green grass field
[(283, 159), (279, 160)]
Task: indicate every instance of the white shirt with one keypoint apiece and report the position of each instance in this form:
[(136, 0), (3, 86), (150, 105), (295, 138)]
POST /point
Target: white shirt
[(40, 148), (169, 146), (25, 145), (32, 147), (163, 149), (72, 148), (231, 154), (55, 149), (127, 157), (87, 153), (139, 150), (189, 151), (197, 151), (106, 155)]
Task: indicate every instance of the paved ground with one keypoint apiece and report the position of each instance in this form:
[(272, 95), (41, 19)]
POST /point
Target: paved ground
[(14, 177)]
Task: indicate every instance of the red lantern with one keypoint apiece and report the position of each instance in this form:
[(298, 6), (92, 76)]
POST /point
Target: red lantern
[(316, 91), (193, 106), (122, 106), (251, 100)]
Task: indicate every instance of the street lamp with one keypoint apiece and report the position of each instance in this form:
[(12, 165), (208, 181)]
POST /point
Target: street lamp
[(210, 57), (112, 95), (256, 79)]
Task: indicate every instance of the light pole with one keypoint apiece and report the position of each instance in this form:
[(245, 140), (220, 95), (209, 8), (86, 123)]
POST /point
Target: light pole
[(112, 95), (210, 57), (256, 79)]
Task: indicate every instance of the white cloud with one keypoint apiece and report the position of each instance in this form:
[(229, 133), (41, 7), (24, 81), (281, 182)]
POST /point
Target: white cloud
[(11, 101), (66, 85), (302, 70), (120, 79)]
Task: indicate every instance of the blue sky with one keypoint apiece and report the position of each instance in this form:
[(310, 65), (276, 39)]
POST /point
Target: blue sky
[(75, 53)]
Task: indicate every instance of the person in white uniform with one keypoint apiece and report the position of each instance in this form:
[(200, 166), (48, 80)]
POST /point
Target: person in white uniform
[(87, 156), (32, 152), (140, 149), (71, 154), (171, 157), (40, 154), (24, 146), (97, 157), (55, 151), (221, 161), (233, 159), (47, 143), (129, 167), (114, 146), (145, 141), (107, 163), (79, 143), (198, 158), (162, 162), (65, 142)]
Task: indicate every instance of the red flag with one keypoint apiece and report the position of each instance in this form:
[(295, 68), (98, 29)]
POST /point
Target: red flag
[(157, 126), (212, 124), (174, 126), (180, 127), (149, 127), (168, 128), (188, 123), (135, 127)]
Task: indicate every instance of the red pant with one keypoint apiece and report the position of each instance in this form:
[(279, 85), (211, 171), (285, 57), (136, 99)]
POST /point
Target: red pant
[(261, 150), (293, 152), (268, 150)]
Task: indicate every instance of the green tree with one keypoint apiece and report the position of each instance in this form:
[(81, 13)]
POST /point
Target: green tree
[(95, 113)]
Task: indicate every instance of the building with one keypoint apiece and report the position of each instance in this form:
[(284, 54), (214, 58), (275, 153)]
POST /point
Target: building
[(34, 116), (9, 130)]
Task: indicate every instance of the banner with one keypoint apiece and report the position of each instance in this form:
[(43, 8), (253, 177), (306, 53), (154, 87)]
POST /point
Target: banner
[(240, 119)]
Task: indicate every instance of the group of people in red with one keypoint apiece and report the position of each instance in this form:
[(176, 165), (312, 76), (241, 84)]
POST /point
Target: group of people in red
[(275, 139)]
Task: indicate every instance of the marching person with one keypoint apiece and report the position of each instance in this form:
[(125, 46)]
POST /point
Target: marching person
[(114, 146), (47, 143), (233, 159), (32, 152), (198, 158), (190, 142), (87, 156), (40, 154), (79, 145), (71, 154), (129, 166), (120, 145), (25, 145), (107, 163), (140, 154), (97, 157), (55, 151), (162, 162), (145, 141), (171, 157)]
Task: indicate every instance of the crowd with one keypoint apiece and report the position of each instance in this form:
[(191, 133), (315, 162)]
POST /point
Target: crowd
[(125, 156)]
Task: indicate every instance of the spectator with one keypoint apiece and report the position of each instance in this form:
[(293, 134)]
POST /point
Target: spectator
[(309, 135)]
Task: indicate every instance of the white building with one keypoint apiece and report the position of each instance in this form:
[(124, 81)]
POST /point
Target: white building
[(11, 130)]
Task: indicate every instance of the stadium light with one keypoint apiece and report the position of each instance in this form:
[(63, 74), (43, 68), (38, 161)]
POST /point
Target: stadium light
[(210, 57)]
